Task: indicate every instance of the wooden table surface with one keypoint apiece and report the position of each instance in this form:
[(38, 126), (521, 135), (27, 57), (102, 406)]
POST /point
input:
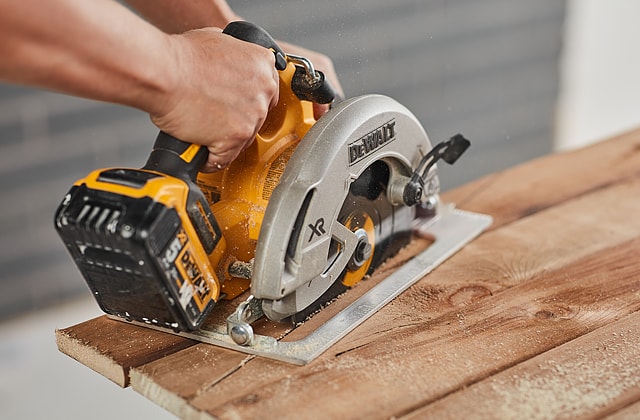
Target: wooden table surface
[(537, 318)]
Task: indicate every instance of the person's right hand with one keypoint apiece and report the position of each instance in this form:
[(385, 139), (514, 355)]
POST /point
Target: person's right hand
[(221, 93)]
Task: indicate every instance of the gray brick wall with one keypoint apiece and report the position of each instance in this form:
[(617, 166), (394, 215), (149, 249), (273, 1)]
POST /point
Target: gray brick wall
[(47, 141), (486, 68)]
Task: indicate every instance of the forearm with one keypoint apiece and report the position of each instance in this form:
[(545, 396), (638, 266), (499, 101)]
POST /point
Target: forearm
[(177, 16), (96, 49)]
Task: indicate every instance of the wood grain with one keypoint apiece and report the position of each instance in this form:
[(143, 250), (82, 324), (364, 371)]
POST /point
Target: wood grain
[(204, 364), (630, 412), (587, 377), (500, 259)]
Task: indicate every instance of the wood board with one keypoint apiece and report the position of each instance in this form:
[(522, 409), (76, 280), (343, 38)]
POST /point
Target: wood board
[(545, 300)]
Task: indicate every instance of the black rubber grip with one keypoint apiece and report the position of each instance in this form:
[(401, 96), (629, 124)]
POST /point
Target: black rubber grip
[(167, 158), (250, 32)]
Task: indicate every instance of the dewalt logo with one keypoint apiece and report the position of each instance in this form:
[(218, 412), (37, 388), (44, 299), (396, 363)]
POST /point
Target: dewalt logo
[(372, 141)]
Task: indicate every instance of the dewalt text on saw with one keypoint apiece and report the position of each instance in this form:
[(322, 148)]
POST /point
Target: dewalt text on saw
[(302, 215)]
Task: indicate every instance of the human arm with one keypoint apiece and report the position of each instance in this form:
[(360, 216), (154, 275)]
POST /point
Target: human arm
[(203, 86), (178, 16)]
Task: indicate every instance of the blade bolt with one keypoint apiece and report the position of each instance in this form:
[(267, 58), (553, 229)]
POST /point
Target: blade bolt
[(363, 250), (126, 231)]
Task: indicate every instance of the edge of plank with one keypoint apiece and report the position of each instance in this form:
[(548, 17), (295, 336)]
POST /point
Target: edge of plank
[(155, 379), (112, 348), (173, 403), (570, 173), (91, 357)]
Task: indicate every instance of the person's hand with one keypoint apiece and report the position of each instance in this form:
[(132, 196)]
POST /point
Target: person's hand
[(222, 92), (320, 62)]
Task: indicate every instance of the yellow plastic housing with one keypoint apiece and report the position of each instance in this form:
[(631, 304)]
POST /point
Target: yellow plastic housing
[(239, 194)]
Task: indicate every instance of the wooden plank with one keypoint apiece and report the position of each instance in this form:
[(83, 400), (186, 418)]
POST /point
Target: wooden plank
[(593, 375), (510, 256), (438, 295), (542, 183), (172, 381), (112, 348), (409, 367)]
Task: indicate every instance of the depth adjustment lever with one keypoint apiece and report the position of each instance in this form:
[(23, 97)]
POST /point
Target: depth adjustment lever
[(410, 190)]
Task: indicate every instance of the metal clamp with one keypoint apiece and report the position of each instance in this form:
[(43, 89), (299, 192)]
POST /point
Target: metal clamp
[(313, 76)]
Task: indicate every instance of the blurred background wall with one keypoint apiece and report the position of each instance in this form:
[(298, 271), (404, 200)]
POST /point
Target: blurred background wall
[(599, 92), (487, 68)]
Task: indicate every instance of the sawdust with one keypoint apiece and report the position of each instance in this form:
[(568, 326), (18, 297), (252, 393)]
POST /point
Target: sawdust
[(382, 371), (572, 385)]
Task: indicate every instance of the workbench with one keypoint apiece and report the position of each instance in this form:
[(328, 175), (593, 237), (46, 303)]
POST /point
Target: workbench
[(536, 318)]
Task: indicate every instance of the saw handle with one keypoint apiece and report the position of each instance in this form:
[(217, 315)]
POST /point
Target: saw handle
[(176, 158), (308, 84), (184, 160), (315, 89), (250, 32)]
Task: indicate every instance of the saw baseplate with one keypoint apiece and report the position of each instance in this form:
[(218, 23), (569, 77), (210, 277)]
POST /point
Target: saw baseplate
[(451, 230)]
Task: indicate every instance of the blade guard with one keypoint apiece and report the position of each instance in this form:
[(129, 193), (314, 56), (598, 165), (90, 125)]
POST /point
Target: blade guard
[(291, 268)]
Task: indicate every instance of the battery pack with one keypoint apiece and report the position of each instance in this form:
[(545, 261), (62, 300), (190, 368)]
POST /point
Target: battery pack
[(134, 251)]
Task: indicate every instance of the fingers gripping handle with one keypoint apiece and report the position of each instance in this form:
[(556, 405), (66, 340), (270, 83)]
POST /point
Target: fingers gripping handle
[(308, 84), (250, 32), (184, 160)]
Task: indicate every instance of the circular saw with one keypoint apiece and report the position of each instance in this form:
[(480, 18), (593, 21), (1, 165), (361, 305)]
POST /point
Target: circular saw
[(304, 214)]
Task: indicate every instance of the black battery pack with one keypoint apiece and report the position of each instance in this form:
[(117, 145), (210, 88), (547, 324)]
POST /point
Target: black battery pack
[(134, 253)]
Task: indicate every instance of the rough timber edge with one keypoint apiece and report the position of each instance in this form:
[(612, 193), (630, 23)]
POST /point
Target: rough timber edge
[(452, 229), (92, 358)]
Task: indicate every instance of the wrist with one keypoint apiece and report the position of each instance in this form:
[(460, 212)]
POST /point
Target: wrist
[(156, 76)]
